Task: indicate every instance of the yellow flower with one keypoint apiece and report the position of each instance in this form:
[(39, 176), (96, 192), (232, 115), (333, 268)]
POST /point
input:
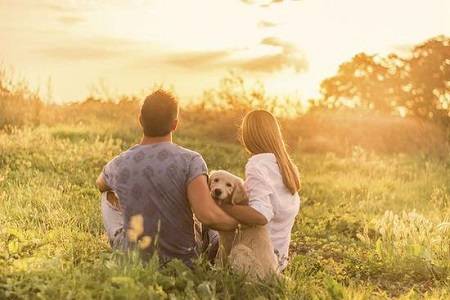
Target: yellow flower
[(144, 242), (135, 228)]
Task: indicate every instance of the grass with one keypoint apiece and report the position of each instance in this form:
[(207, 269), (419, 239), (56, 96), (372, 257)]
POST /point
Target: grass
[(370, 226)]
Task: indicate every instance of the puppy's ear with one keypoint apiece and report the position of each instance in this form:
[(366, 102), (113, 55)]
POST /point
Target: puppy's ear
[(239, 194), (210, 175)]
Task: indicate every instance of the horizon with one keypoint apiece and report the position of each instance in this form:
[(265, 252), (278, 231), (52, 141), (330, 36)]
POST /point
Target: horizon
[(77, 46)]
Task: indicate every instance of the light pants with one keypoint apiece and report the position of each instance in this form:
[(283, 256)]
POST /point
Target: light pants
[(113, 222)]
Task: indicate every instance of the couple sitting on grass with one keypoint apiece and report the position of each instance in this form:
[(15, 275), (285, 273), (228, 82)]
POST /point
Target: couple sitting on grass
[(161, 186)]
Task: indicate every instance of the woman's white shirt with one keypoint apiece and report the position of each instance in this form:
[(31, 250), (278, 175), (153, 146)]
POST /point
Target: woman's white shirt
[(269, 196)]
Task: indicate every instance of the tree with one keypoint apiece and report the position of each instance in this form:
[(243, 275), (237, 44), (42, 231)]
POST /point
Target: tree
[(418, 84), (427, 91), (363, 82)]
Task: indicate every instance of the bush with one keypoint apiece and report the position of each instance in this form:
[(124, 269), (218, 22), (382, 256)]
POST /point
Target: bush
[(19, 105), (218, 114)]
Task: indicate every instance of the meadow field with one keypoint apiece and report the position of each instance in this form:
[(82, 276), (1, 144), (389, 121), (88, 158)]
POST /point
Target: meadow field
[(361, 90), (371, 225)]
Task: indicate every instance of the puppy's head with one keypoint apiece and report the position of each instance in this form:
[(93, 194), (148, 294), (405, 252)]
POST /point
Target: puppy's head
[(226, 187)]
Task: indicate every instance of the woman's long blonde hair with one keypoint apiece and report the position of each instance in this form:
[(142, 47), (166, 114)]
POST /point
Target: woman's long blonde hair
[(261, 134)]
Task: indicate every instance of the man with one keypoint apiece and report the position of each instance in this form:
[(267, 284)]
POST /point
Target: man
[(161, 185)]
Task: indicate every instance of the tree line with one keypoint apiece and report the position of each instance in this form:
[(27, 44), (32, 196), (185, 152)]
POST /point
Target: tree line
[(416, 85)]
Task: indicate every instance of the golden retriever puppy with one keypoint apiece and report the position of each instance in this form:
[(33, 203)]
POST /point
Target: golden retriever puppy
[(249, 249), (226, 188)]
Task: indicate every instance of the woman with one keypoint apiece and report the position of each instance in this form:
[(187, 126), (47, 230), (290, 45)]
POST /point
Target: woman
[(271, 182)]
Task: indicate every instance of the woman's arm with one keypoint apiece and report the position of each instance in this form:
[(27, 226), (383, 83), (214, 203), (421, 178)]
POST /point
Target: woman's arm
[(245, 214)]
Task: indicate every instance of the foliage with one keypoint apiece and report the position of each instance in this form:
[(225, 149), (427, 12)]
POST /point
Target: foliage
[(417, 85), (19, 105), (312, 132), (235, 94)]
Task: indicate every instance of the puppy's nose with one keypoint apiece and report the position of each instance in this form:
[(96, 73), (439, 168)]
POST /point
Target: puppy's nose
[(217, 192)]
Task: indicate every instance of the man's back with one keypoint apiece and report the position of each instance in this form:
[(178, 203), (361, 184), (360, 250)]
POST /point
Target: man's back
[(151, 181)]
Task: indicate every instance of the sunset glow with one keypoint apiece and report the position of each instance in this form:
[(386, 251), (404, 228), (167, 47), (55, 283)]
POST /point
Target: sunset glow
[(131, 45)]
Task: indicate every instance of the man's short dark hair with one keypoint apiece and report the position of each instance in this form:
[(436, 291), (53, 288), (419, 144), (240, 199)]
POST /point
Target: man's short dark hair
[(159, 111)]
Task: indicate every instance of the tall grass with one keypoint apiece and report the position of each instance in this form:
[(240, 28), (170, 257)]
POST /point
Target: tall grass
[(218, 113), (19, 105), (371, 226)]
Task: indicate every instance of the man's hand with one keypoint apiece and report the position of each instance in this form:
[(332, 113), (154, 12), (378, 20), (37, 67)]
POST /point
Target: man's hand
[(205, 208), (245, 214), (101, 184)]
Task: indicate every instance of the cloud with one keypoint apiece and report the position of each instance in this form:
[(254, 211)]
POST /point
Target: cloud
[(276, 42), (99, 48), (197, 59), (273, 63), (79, 53), (287, 56), (269, 63), (55, 7), (278, 54)]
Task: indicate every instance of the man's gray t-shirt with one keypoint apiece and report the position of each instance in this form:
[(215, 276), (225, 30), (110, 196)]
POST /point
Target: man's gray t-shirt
[(151, 181)]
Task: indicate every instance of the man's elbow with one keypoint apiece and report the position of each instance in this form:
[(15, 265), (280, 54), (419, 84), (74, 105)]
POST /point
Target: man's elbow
[(206, 219), (98, 183)]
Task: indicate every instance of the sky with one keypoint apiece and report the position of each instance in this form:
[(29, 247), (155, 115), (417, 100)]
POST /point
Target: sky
[(81, 47)]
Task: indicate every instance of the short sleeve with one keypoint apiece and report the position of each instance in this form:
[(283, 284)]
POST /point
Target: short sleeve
[(259, 192), (197, 167), (263, 205)]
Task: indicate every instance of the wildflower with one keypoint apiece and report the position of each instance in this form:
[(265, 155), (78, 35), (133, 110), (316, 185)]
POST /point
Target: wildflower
[(136, 227)]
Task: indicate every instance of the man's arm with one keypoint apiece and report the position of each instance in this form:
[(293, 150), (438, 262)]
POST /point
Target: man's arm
[(245, 214), (204, 207), (101, 184)]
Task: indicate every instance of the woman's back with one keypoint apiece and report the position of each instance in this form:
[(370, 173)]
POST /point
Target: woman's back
[(270, 197)]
